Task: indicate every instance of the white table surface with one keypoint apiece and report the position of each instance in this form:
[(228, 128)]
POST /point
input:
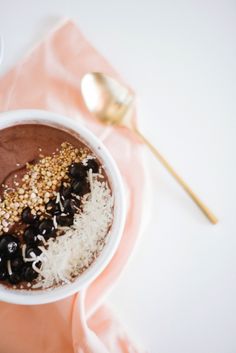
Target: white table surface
[(178, 293)]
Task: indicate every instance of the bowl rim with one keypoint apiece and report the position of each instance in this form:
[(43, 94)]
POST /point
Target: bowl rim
[(44, 117)]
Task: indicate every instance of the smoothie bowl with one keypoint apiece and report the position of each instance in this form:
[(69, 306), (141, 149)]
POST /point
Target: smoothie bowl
[(62, 208)]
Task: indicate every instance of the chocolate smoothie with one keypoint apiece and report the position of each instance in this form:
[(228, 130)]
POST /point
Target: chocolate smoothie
[(56, 207), (24, 143)]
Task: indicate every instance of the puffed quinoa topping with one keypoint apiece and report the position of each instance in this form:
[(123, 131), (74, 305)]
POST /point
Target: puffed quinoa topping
[(38, 185)]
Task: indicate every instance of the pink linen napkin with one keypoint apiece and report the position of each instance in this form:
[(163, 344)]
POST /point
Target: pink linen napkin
[(49, 78)]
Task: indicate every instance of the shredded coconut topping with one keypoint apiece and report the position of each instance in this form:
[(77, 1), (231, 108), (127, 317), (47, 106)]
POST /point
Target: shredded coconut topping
[(71, 253)]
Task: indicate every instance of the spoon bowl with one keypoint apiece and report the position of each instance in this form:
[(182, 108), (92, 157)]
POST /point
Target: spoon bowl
[(106, 98)]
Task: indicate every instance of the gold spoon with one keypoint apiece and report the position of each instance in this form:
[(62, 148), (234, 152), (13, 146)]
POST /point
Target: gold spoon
[(112, 103)]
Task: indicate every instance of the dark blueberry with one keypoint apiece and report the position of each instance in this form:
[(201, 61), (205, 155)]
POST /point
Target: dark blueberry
[(30, 235), (46, 228), (78, 171), (17, 264), (76, 186), (65, 191), (80, 188), (3, 273), (92, 164), (9, 246), (28, 273), (53, 207), (32, 252), (27, 216), (65, 220), (36, 222), (14, 278), (70, 207), (2, 261), (3, 269)]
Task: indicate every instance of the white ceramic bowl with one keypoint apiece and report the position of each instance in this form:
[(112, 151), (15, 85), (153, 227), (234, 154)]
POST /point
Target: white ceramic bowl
[(47, 118)]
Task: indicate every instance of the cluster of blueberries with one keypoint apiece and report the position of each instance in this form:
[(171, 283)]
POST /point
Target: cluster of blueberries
[(12, 266)]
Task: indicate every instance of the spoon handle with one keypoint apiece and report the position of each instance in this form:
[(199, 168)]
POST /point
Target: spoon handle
[(185, 186)]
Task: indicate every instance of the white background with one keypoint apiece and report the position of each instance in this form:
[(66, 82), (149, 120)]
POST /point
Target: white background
[(178, 293)]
